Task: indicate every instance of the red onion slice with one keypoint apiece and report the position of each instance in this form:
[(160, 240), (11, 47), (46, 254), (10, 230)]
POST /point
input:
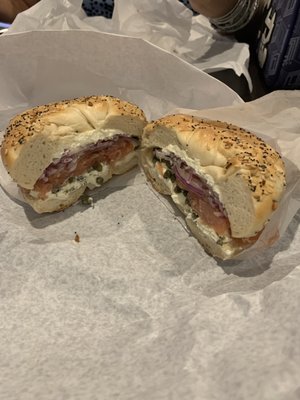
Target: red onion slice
[(192, 182)]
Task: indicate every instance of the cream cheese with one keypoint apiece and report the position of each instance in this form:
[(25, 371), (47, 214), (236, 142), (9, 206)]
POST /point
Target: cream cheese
[(90, 179), (125, 159), (79, 142)]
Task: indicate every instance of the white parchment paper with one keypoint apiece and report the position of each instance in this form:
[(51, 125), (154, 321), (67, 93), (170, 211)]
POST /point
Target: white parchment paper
[(166, 23), (136, 309)]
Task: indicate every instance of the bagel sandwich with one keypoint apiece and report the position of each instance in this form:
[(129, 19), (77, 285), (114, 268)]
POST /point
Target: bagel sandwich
[(55, 151), (224, 179)]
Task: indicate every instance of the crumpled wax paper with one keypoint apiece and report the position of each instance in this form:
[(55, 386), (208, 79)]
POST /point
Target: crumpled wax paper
[(134, 308), (167, 24)]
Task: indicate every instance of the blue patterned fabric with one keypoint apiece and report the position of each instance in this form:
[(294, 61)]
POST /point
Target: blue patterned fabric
[(105, 7)]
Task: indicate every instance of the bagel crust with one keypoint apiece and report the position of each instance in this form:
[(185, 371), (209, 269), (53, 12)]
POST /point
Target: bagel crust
[(246, 175), (43, 135)]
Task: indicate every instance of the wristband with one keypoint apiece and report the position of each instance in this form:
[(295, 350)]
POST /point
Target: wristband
[(237, 18)]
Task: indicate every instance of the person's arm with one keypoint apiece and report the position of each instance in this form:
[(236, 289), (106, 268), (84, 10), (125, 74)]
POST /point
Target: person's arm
[(212, 8), (10, 8), (239, 17)]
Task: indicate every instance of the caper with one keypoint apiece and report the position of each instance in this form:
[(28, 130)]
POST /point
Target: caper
[(98, 167), (86, 200), (169, 175), (155, 159), (55, 190), (99, 180), (220, 241), (177, 189), (168, 164), (194, 215)]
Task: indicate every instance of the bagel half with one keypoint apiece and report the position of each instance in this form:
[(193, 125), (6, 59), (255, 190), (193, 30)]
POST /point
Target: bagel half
[(225, 180), (55, 151)]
